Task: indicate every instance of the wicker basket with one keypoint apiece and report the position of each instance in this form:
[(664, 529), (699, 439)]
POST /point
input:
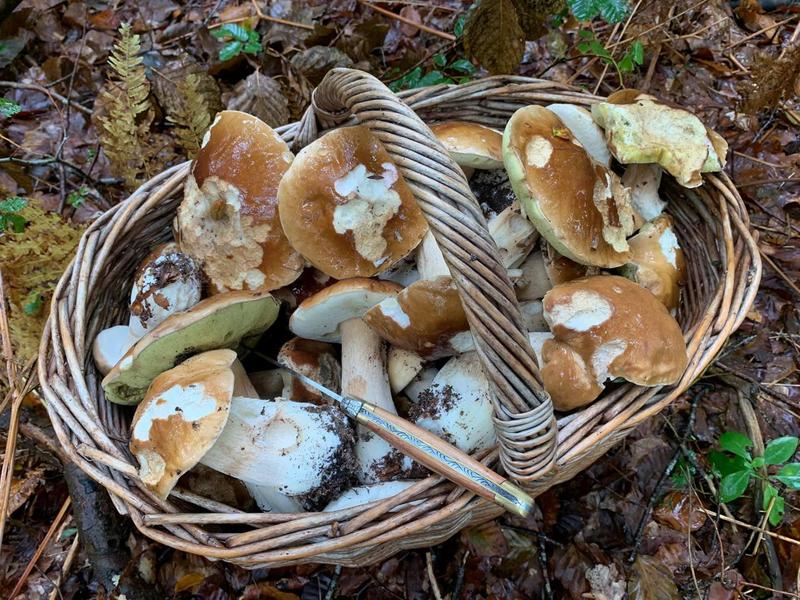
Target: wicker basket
[(535, 448)]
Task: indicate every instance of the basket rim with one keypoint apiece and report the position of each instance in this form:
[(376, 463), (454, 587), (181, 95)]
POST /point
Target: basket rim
[(77, 421)]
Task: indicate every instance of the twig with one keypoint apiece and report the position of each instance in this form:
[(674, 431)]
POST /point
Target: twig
[(728, 519), (658, 26), (388, 13), (431, 577), (769, 182), (542, 558), (44, 90), (333, 583), (272, 19), (616, 66), (36, 555), (66, 566), (761, 587), (459, 582), (759, 32), (780, 272)]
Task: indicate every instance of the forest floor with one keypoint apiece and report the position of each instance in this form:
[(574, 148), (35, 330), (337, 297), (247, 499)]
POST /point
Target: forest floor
[(635, 522)]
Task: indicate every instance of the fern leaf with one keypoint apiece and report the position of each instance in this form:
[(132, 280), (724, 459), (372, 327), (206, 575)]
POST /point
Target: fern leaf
[(191, 115)]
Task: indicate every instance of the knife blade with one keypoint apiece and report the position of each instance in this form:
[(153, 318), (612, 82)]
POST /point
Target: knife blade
[(425, 448)]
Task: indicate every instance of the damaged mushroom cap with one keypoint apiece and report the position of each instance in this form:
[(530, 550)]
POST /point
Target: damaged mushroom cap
[(470, 144), (457, 405), (423, 318), (296, 449), (617, 328), (579, 121), (641, 129), (182, 415), (228, 219), (221, 321), (110, 346), (166, 282), (643, 181), (657, 262), (345, 206), (320, 316), (568, 197), (316, 360)]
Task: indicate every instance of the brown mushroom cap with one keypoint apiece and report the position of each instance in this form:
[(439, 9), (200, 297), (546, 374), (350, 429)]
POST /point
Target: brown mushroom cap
[(561, 189), (316, 360), (561, 269), (228, 219), (319, 317), (566, 377), (618, 329), (470, 144), (181, 417), (346, 208), (657, 262), (423, 317)]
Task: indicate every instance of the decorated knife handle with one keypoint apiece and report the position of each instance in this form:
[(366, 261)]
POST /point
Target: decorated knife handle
[(441, 457)]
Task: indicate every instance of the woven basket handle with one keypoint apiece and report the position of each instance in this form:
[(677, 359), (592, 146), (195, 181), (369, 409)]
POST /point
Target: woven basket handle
[(524, 419)]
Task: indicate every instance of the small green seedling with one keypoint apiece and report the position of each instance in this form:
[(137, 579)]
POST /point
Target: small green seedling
[(237, 39), (633, 57), (458, 71), (8, 108), (735, 467), (10, 220), (78, 196)]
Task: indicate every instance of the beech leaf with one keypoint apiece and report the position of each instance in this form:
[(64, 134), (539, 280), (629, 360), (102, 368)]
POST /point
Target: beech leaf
[(493, 36)]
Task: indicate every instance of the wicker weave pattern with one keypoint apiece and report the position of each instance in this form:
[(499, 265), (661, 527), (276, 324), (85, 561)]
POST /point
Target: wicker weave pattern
[(723, 274)]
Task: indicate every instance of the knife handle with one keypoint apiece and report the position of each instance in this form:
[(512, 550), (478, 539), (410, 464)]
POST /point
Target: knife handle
[(445, 459)]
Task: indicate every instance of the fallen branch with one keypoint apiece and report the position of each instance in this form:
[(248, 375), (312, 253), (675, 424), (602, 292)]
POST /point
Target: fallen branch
[(442, 34)]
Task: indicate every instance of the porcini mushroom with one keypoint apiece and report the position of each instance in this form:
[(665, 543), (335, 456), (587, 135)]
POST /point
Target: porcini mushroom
[(577, 204), (316, 360), (471, 145), (643, 181), (228, 219), (166, 282), (345, 206), (300, 453), (426, 316), (364, 494), (221, 321), (514, 235), (544, 269), (657, 262), (641, 129), (457, 406), (110, 345), (334, 315), (579, 121), (605, 327), (402, 366)]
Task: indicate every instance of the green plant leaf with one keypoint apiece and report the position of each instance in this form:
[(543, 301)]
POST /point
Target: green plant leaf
[(776, 514), (781, 449), (758, 462), (33, 304), (735, 443), (724, 464), (613, 11), (230, 50), (233, 30), (9, 108), (77, 197), (626, 64), (790, 475), (637, 51), (493, 36), (734, 485), (458, 27), (12, 204), (12, 222), (439, 61), (595, 48), (433, 78), (462, 65)]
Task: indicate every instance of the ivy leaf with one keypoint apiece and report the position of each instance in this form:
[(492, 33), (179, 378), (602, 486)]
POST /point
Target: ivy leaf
[(12, 204), (493, 36), (33, 304), (462, 65), (781, 449), (613, 11), (8, 108), (735, 443), (776, 514), (734, 485), (230, 50), (790, 475)]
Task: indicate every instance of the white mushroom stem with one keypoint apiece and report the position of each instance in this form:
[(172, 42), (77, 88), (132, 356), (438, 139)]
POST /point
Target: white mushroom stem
[(365, 377), (430, 261), (403, 366), (514, 235)]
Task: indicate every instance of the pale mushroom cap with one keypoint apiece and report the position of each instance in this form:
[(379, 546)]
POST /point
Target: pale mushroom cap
[(657, 262), (228, 219), (457, 405), (110, 346), (316, 360), (166, 282), (641, 129), (422, 318), (364, 494), (180, 418), (319, 317), (221, 321), (579, 121), (345, 206), (559, 186), (618, 328), (470, 144)]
